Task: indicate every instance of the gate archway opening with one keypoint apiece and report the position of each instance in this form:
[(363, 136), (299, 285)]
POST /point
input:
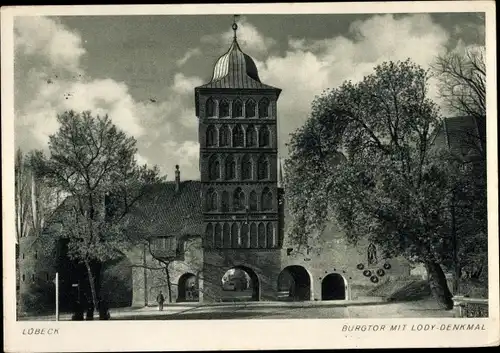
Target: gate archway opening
[(240, 283), (295, 283), (187, 288), (333, 287)]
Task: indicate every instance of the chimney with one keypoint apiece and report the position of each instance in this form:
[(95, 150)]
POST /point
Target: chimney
[(177, 178)]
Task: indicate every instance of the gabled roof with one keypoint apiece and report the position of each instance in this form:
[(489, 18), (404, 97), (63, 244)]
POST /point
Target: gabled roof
[(164, 211)]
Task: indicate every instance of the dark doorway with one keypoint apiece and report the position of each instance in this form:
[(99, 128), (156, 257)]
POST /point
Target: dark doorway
[(187, 288), (240, 284), (333, 287), (295, 282)]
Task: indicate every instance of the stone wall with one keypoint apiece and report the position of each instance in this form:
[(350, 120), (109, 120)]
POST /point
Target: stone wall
[(335, 255)]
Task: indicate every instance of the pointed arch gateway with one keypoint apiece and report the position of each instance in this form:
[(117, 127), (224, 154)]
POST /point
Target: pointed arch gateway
[(187, 288), (294, 284)]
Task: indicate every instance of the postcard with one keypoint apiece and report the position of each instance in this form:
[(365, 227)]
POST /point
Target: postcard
[(249, 176)]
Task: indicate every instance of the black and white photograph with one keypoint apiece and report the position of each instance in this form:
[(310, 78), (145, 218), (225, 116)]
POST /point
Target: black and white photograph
[(223, 166)]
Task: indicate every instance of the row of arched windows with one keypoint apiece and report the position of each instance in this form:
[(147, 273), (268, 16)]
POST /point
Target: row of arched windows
[(239, 201), (236, 109), (228, 170), (237, 136), (247, 236)]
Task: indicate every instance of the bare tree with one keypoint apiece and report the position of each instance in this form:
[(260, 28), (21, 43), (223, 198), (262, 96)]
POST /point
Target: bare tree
[(462, 81)]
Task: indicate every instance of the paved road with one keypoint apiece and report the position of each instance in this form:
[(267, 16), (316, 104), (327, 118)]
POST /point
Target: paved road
[(310, 310), (241, 311)]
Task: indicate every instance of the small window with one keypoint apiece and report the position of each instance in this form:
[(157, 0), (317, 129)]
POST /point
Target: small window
[(250, 109), (224, 109), (264, 108), (33, 277), (36, 254), (211, 136), (237, 136), (262, 168), (237, 109), (23, 256), (224, 136), (24, 278), (263, 136), (251, 136), (210, 107), (246, 168)]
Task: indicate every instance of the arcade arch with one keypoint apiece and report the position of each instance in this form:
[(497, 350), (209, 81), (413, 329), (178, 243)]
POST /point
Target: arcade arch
[(296, 281), (240, 283)]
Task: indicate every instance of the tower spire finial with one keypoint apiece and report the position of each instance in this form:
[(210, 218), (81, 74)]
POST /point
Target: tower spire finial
[(235, 25)]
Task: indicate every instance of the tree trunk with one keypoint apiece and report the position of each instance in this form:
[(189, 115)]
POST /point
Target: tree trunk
[(169, 285), (439, 286), (92, 286)]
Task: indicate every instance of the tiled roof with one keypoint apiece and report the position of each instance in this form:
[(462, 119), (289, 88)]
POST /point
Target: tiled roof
[(236, 69), (165, 211)]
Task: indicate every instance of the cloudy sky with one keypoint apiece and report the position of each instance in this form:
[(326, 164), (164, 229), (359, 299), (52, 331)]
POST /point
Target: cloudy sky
[(142, 70)]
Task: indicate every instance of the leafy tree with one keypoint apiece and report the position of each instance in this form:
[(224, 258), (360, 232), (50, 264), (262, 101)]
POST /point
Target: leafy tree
[(365, 159), (93, 162), (461, 79)]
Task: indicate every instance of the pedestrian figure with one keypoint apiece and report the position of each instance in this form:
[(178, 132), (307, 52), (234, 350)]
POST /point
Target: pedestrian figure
[(104, 310), (90, 312), (160, 299), (78, 312)]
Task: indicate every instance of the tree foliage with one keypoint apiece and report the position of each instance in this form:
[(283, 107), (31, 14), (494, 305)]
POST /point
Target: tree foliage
[(365, 160), (93, 162)]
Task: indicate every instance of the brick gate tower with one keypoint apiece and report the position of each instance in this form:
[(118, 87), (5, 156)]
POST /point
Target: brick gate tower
[(238, 166)]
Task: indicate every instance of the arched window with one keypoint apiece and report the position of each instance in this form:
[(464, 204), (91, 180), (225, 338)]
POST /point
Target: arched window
[(254, 241), (209, 236), (246, 168), (237, 136), (223, 109), (262, 235), (210, 107), (266, 200), (251, 136), (238, 200), (263, 136), (211, 200), (262, 168), (245, 241), (264, 108), (253, 201), (230, 168), (213, 168), (211, 136), (226, 238), (234, 236), (237, 109), (225, 201), (224, 136), (250, 108), (218, 236), (270, 235)]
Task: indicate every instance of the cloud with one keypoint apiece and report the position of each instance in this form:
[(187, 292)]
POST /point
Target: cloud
[(326, 63), (50, 79), (50, 40), (189, 54), (248, 37)]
